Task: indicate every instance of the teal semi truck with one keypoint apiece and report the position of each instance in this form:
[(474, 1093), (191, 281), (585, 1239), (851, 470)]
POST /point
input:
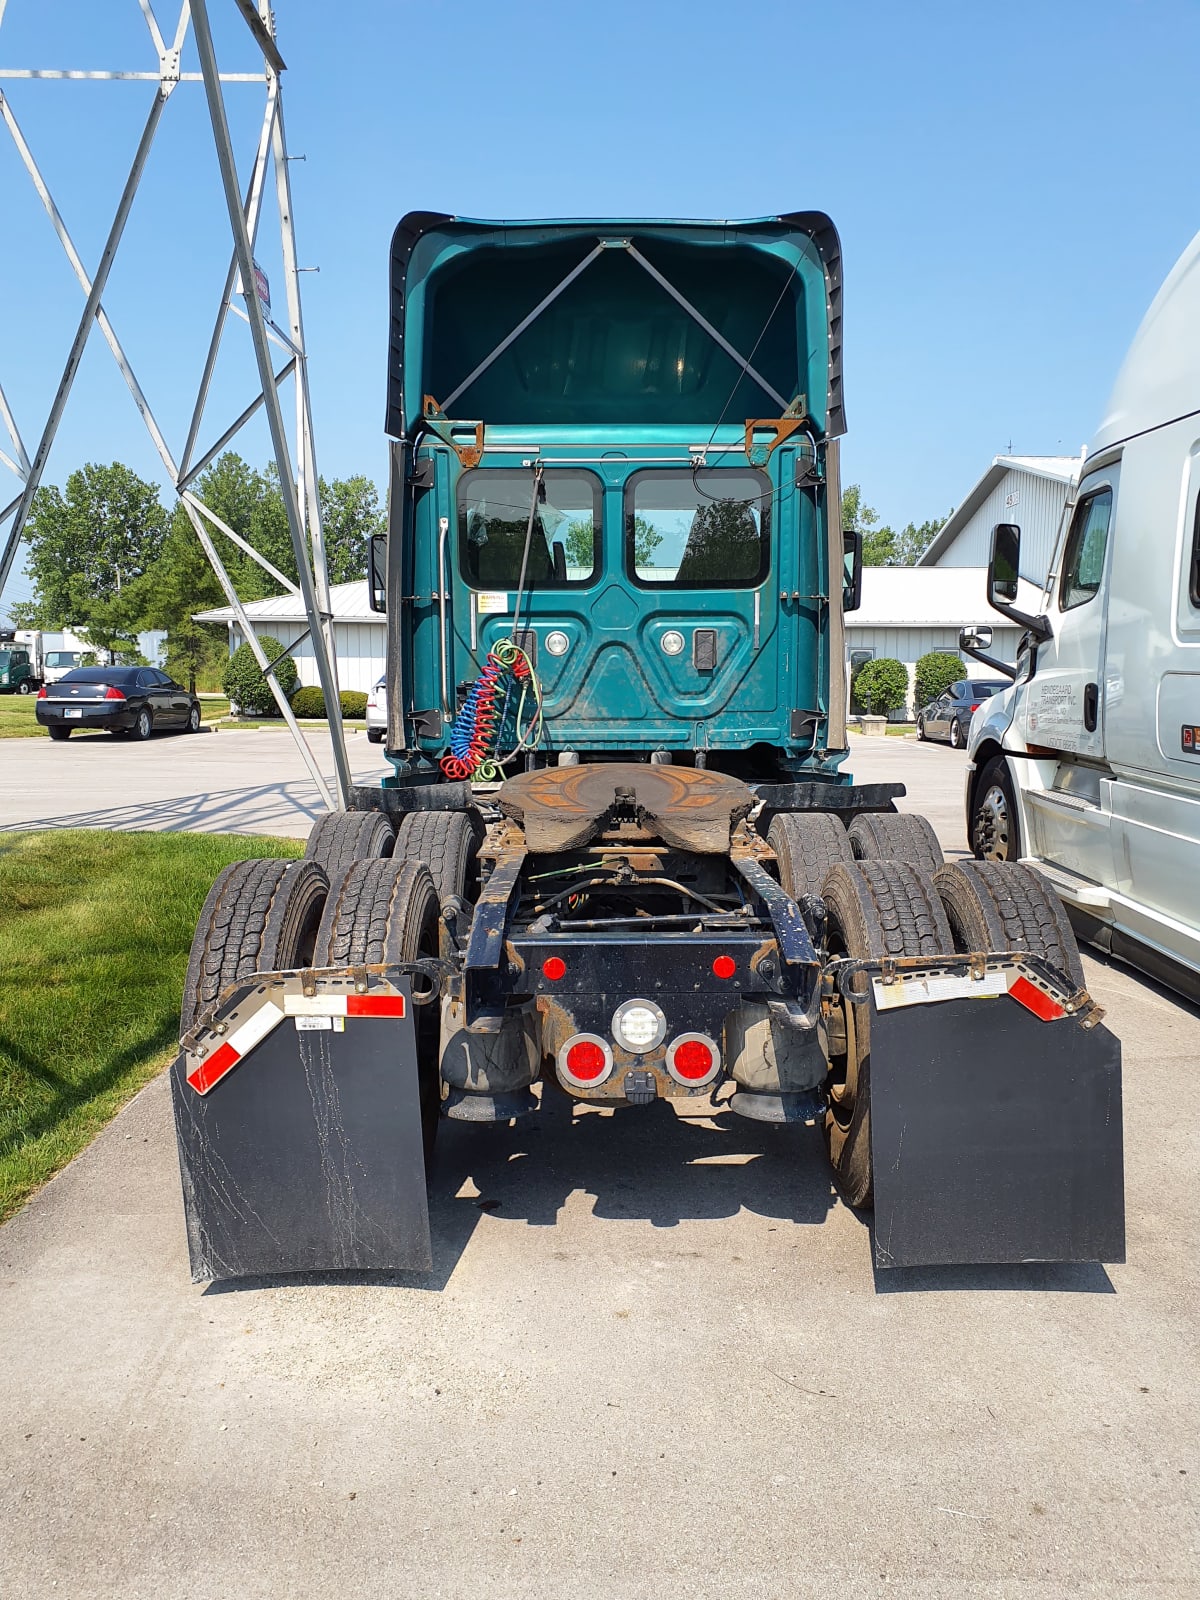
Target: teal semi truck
[(617, 855)]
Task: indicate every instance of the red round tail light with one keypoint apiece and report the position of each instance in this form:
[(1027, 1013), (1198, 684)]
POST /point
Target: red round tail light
[(585, 1061), (724, 967), (693, 1060), (554, 968)]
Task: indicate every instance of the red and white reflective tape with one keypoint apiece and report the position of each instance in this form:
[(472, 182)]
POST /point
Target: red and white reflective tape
[(267, 1016), (919, 989)]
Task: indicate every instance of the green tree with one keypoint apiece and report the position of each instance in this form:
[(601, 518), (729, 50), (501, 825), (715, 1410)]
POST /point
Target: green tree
[(350, 514), (181, 582), (915, 539), (879, 542), (88, 546)]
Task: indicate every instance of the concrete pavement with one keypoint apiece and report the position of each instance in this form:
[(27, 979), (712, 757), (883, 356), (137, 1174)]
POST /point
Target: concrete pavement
[(654, 1361), (231, 781)]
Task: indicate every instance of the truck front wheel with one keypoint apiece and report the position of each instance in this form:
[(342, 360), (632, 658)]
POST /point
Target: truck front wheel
[(995, 833)]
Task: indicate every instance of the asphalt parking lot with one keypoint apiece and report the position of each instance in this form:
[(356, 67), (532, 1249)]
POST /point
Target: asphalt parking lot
[(250, 780), (653, 1360)]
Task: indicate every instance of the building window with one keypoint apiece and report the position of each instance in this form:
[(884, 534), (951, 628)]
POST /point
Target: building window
[(1083, 562)]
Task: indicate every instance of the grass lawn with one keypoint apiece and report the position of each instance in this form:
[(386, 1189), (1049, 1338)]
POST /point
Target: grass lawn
[(95, 929), (17, 720)]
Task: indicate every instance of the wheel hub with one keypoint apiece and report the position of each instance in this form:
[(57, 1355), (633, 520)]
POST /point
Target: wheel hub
[(992, 830)]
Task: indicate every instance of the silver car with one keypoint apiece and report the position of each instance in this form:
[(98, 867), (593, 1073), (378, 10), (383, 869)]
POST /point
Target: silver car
[(377, 712)]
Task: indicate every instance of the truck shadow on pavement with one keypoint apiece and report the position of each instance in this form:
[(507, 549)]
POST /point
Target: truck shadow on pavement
[(266, 807), (648, 1165)]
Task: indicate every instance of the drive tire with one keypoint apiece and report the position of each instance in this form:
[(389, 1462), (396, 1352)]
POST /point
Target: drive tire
[(387, 911), (341, 837), (995, 830), (260, 916), (998, 905), (143, 726), (895, 836), (956, 735), (806, 845), (873, 909), (448, 843), (59, 733)]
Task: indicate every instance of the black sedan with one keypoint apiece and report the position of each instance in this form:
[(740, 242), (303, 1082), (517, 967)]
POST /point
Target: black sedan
[(949, 716), (129, 702)]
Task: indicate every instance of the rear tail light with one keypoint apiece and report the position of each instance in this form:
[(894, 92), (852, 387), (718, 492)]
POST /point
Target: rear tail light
[(693, 1060), (585, 1061), (42, 692), (113, 693), (977, 705)]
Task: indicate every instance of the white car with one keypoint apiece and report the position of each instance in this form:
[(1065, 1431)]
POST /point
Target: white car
[(377, 712)]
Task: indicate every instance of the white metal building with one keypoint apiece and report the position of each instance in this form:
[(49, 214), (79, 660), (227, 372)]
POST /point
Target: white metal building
[(1028, 490), (360, 634), (908, 611)]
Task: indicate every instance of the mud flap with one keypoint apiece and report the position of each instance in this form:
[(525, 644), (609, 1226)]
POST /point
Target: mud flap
[(995, 1136), (306, 1154)]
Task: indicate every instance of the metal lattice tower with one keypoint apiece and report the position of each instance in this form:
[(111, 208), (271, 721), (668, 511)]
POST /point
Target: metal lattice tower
[(295, 458)]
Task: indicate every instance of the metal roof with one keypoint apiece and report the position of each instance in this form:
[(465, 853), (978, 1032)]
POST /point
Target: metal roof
[(350, 603), (1063, 469), (920, 597)]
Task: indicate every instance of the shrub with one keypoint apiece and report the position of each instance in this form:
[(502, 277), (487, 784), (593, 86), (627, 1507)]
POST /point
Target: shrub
[(882, 686), (245, 685), (936, 671), (310, 702)]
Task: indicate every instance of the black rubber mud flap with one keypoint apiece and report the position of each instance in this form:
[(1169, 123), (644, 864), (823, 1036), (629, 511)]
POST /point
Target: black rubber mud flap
[(307, 1156), (995, 1136)]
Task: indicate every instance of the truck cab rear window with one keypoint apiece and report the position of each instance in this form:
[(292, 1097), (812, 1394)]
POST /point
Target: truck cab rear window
[(698, 530), (493, 521)]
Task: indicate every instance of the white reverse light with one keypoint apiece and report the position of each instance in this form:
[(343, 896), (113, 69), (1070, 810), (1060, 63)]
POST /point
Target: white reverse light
[(672, 642), (639, 1025), (557, 644)]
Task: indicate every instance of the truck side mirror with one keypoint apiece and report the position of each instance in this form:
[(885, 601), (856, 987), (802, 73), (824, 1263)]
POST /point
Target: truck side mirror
[(377, 563), (974, 639), (852, 562), (1005, 565)]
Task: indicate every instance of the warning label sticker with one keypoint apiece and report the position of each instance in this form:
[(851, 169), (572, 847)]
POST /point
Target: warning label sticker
[(491, 603), (1189, 739)]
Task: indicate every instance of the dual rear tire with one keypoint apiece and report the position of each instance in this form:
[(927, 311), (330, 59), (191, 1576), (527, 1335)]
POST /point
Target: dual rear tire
[(888, 892)]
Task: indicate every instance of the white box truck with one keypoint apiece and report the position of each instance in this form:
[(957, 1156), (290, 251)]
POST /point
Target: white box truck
[(1088, 767)]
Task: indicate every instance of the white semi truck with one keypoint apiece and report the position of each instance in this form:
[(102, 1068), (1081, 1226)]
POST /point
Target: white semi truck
[(1088, 767)]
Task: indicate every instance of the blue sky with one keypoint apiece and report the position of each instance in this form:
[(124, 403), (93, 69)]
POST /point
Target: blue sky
[(1011, 184)]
